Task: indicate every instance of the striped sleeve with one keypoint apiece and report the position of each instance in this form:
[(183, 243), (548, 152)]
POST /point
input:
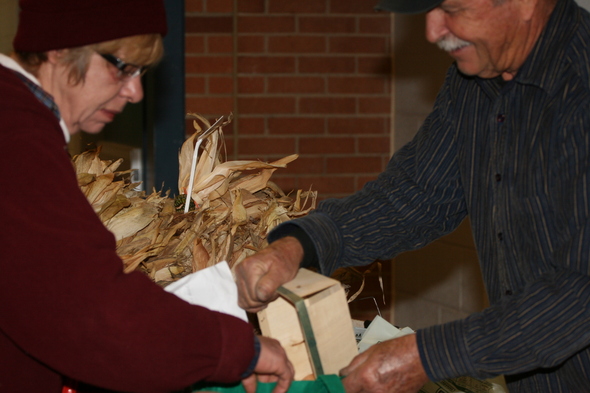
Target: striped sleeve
[(417, 199)]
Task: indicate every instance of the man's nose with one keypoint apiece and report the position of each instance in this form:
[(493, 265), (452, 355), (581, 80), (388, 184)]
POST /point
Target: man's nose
[(435, 25)]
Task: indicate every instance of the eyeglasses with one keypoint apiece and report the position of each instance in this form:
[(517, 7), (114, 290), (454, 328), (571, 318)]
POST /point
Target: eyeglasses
[(125, 71)]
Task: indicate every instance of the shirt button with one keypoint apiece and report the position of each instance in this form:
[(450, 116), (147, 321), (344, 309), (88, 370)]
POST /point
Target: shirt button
[(498, 177), (500, 236), (500, 118)]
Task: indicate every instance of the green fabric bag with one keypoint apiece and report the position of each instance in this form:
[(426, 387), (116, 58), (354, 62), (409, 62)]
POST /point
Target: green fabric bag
[(324, 384)]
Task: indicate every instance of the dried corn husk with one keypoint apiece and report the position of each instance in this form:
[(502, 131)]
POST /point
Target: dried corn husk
[(236, 206)]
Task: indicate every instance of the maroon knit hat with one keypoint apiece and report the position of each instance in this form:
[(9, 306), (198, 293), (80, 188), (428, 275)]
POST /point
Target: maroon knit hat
[(58, 24)]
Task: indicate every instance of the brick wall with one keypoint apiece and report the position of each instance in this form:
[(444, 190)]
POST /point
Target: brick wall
[(305, 77)]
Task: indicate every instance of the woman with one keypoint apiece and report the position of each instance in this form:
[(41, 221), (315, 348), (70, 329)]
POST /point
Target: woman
[(67, 310)]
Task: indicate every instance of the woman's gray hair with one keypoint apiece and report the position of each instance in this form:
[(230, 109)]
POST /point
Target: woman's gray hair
[(140, 50)]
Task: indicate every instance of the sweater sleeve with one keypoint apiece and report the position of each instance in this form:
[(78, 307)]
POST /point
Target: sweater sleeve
[(64, 299)]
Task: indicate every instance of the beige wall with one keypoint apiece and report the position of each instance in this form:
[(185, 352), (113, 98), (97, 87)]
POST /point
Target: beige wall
[(8, 21), (441, 282)]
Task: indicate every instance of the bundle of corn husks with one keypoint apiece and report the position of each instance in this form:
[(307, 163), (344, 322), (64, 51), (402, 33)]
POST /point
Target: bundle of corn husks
[(233, 205)]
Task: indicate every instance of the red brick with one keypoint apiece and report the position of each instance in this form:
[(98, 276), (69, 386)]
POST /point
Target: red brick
[(229, 147), (264, 105), (375, 105), (358, 45), (295, 96), (208, 24), (251, 125), (193, 5), (259, 146), (358, 125), (326, 64), (194, 44), (251, 85), (362, 180), (375, 65), (195, 85), (188, 127), (296, 85), (209, 105), (358, 85), (250, 157), (190, 120), (327, 105), (356, 164), (328, 184), (326, 145), (373, 145), (305, 165), (228, 129), (327, 24), (375, 25), (353, 7), (220, 44), (322, 197), (224, 6), (297, 44), (266, 64), (208, 64), (251, 44), (296, 7), (266, 24), (296, 125), (221, 85), (288, 184), (251, 6)]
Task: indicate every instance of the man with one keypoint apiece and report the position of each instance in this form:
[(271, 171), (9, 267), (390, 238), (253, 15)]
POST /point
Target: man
[(508, 144), (68, 313)]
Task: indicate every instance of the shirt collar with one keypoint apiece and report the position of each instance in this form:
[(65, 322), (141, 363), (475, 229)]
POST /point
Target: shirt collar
[(34, 85), (541, 65)]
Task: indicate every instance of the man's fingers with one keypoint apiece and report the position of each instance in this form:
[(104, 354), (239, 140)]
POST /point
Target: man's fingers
[(259, 276), (266, 289), (353, 385), (354, 364), (249, 273)]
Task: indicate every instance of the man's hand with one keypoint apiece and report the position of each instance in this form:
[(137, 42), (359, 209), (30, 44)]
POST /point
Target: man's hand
[(390, 366), (272, 366), (259, 276)]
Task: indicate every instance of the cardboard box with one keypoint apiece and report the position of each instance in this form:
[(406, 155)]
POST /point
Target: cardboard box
[(312, 322)]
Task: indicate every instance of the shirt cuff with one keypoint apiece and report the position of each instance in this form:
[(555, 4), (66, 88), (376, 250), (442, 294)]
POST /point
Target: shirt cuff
[(443, 351), (254, 361), (310, 257)]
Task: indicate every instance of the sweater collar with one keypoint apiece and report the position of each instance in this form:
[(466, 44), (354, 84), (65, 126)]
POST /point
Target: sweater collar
[(34, 85)]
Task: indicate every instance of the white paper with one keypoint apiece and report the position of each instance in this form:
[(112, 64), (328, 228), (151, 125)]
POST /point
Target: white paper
[(380, 330), (213, 288)]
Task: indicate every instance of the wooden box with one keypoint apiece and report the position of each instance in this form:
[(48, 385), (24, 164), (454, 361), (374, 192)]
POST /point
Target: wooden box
[(312, 322)]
